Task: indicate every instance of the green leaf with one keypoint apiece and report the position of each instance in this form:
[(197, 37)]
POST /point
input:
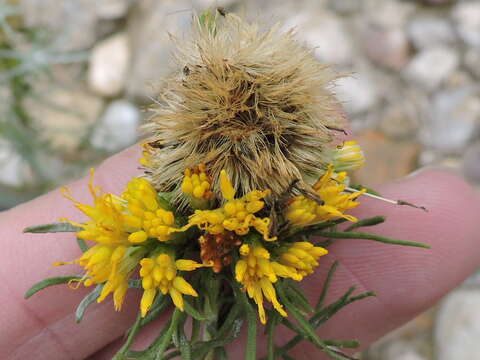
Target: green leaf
[(366, 236), (326, 286), (297, 296), (369, 191), (52, 228), (367, 222), (82, 244), (50, 282), (251, 345), (135, 284), (87, 300), (194, 313)]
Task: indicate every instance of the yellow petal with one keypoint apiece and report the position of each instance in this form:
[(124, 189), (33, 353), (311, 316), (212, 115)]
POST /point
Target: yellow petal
[(147, 300), (183, 286), (138, 237), (226, 186), (177, 298)]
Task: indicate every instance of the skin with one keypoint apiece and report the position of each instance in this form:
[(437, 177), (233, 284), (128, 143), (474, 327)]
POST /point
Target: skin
[(407, 280)]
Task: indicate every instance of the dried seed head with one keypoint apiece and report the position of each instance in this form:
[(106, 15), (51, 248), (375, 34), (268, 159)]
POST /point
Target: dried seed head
[(257, 104)]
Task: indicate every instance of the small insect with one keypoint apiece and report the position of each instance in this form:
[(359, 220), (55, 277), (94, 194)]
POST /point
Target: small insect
[(222, 11)]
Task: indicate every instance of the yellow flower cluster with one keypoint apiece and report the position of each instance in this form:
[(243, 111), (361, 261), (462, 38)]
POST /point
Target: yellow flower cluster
[(257, 271), (160, 273), (124, 229), (197, 183), (330, 188), (302, 258), (116, 225), (348, 157), (237, 215), (145, 216), (257, 274)]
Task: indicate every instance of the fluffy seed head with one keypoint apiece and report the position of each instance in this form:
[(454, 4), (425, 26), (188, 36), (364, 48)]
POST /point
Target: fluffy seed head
[(255, 103)]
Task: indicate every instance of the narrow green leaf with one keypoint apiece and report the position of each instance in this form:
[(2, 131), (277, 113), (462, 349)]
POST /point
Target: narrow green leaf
[(272, 322), (82, 244), (326, 286), (194, 313), (297, 296), (369, 191), (221, 353), (366, 236), (184, 345), (135, 284), (367, 222), (87, 300), (251, 345), (229, 322), (50, 282), (52, 228), (348, 344), (167, 336), (131, 336)]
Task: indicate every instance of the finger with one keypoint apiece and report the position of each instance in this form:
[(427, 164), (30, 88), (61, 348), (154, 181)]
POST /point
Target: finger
[(407, 280), (44, 325)]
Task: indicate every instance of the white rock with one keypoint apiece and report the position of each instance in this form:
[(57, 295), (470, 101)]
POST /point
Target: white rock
[(386, 46), (458, 326), (345, 6), (329, 36), (65, 123), (112, 9), (14, 168), (451, 120), (150, 23), (472, 61), (109, 64), (466, 16), (430, 31), (471, 169), (118, 127), (430, 67), (72, 23), (402, 350), (204, 4), (358, 93)]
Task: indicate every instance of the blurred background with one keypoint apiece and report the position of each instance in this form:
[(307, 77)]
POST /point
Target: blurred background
[(75, 76)]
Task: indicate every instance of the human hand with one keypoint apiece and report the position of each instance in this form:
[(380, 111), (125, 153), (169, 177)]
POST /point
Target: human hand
[(407, 280)]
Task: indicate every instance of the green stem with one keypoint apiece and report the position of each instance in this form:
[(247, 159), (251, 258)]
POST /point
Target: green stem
[(131, 336), (167, 337), (271, 324), (326, 286), (251, 346), (360, 235)]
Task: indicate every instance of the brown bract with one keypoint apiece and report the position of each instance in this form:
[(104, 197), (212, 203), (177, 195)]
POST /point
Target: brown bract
[(255, 103)]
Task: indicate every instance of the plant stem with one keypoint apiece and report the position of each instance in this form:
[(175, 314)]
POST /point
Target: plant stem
[(131, 336), (167, 337)]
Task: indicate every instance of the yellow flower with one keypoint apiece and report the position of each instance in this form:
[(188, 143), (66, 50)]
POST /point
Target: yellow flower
[(237, 215), (301, 258), (348, 157), (145, 217), (257, 274), (160, 273), (146, 160), (197, 183), (330, 188), (106, 224)]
